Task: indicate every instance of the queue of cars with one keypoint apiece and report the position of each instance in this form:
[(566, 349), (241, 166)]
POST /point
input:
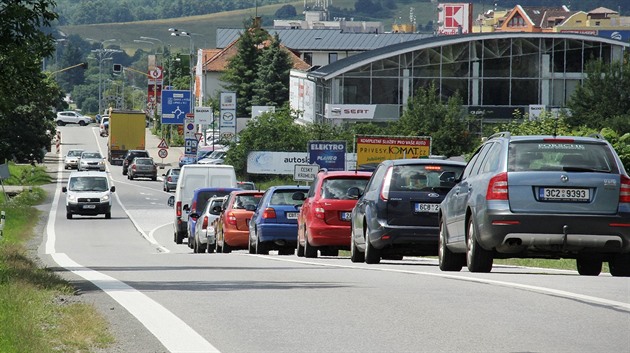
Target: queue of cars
[(518, 197)]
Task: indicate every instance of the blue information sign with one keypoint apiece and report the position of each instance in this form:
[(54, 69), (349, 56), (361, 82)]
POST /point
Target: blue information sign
[(175, 106), (329, 155)]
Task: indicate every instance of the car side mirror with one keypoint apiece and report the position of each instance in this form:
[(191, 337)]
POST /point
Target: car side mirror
[(250, 207), (112, 189), (64, 189), (354, 192), (171, 201)]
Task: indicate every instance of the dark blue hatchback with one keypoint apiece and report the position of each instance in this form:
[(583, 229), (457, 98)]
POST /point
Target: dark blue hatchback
[(397, 214), (198, 203), (274, 224)]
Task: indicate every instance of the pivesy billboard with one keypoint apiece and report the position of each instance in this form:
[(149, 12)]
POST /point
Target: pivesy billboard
[(329, 155)]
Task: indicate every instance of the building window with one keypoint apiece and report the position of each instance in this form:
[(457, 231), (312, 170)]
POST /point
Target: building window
[(332, 57), (598, 23), (308, 58)]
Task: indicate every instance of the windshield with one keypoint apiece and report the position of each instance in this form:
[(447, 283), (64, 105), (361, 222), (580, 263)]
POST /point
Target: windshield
[(91, 155), (87, 184), (74, 153)]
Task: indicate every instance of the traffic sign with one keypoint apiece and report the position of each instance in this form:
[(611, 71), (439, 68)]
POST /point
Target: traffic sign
[(162, 153), (198, 136), (163, 144), (305, 172)]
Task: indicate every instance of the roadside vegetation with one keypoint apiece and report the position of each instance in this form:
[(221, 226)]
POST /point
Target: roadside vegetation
[(38, 309)]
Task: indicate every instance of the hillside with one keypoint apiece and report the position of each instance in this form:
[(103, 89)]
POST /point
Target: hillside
[(204, 27)]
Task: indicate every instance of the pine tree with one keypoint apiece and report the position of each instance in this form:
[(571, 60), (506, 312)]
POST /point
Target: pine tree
[(272, 84)]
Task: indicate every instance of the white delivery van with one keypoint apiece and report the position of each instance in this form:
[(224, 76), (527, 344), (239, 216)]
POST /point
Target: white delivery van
[(191, 177), (88, 194)]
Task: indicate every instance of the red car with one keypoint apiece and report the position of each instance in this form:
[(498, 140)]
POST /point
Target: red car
[(324, 220), (232, 226)]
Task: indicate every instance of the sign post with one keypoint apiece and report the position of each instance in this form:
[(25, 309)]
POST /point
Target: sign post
[(305, 172)]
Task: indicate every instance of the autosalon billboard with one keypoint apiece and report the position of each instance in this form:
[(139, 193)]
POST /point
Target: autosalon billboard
[(455, 18), (372, 150), (265, 162)]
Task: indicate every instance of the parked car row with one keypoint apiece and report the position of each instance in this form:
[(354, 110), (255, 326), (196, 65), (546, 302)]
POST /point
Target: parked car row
[(517, 197)]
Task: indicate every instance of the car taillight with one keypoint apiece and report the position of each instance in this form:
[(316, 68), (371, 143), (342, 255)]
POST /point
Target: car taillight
[(624, 190), (386, 184), (269, 213), (319, 212), (178, 209), (204, 224), (169, 179), (231, 218), (498, 187), (133, 167)]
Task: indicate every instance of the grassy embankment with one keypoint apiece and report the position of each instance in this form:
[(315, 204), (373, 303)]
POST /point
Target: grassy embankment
[(36, 310)]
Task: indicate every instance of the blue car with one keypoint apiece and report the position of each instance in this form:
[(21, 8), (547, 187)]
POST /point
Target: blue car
[(274, 223), (198, 204)]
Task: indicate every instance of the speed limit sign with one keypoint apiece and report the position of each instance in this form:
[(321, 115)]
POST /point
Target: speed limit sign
[(162, 153)]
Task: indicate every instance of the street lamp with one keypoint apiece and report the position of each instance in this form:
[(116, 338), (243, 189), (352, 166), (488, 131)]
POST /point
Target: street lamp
[(177, 33), (102, 54)]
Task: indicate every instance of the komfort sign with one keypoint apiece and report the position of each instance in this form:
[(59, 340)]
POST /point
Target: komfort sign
[(371, 150)]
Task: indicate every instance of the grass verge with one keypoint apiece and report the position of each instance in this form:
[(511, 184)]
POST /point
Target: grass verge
[(38, 309)]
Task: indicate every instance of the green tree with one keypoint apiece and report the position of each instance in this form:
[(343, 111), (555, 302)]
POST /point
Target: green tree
[(275, 131), (427, 115), (26, 93), (241, 70), (286, 12), (271, 86), (603, 100)]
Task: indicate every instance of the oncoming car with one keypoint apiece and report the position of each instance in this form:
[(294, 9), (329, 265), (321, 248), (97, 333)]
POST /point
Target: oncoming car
[(88, 194), (71, 161), (539, 197), (91, 160)]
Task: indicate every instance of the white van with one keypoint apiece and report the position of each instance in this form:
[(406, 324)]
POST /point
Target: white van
[(88, 194), (191, 177)]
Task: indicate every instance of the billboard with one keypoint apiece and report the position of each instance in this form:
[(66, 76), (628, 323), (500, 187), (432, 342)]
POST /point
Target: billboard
[(455, 18), (267, 162), (329, 155), (372, 150), (302, 96)]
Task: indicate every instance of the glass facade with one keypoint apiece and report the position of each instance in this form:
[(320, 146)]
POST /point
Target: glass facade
[(495, 72)]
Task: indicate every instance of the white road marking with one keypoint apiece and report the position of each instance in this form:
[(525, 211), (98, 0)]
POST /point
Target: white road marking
[(543, 290), (169, 329)]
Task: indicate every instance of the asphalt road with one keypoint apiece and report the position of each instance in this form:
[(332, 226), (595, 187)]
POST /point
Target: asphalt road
[(160, 297)]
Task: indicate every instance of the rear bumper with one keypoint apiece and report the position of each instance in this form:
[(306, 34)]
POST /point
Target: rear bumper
[(278, 233), (327, 235), (236, 238), (406, 240), (509, 233)]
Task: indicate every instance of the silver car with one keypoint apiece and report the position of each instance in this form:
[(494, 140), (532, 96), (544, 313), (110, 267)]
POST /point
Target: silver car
[(539, 197), (205, 236), (71, 161), (91, 160)]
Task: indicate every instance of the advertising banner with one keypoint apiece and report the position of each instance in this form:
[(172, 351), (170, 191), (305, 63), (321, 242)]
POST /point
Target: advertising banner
[(455, 18), (350, 111), (329, 155), (372, 150), (267, 162)]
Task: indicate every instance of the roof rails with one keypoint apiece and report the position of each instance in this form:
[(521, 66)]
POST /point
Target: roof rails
[(597, 136), (505, 134)]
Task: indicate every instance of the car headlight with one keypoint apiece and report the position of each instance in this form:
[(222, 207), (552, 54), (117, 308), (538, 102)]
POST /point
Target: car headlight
[(105, 198), (101, 163), (72, 198)]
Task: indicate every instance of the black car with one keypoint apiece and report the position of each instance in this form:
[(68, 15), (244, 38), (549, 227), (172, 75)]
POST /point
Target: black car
[(397, 215), (131, 154)]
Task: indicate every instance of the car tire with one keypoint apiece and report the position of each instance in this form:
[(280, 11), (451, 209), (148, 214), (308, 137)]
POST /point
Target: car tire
[(60, 123), (619, 265), (260, 247), (130, 176), (226, 249), (372, 254), (69, 215), (178, 239), (300, 248), (448, 260), (310, 251), (210, 248), (196, 248), (108, 215), (250, 247), (355, 254), (82, 123), (588, 265), (478, 259), (218, 249), (154, 178)]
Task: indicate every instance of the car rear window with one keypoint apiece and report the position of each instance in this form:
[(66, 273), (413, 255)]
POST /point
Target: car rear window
[(420, 176), (562, 155), (285, 197), (337, 188), (204, 196), (242, 201)]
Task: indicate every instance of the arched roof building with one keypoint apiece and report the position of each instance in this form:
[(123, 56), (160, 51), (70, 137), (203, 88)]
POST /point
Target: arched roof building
[(494, 73)]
